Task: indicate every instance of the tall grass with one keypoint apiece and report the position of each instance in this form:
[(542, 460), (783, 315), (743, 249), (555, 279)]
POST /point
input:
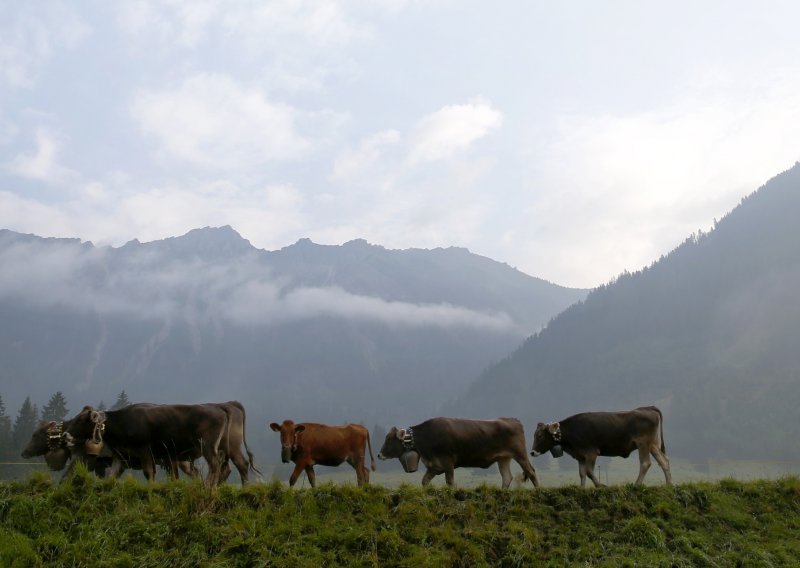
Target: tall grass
[(90, 522)]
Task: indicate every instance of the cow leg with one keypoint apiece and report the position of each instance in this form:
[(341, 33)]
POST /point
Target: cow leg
[(117, 467), (528, 471), (172, 469), (189, 468), (644, 464), (582, 471), (590, 461), (148, 466), (242, 465), (449, 475), (504, 465), (361, 471), (298, 469), (663, 462), (225, 472), (429, 474), (312, 476)]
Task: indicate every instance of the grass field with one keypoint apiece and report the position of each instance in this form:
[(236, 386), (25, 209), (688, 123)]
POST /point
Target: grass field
[(91, 522)]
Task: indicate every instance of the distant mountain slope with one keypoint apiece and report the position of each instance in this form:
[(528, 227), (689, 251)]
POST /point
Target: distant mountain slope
[(352, 332), (711, 333)]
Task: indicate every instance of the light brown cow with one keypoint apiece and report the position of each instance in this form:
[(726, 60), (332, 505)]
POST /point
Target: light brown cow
[(308, 444)]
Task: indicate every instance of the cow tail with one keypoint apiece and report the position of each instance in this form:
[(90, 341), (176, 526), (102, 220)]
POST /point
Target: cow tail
[(250, 456), (369, 445)]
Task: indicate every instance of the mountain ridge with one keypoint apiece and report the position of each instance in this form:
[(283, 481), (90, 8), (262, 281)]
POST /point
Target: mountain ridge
[(708, 332), (307, 328)]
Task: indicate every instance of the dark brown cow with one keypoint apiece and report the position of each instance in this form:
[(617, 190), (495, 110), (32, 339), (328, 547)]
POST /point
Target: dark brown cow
[(308, 444), (444, 444), (153, 433), (48, 440), (588, 435)]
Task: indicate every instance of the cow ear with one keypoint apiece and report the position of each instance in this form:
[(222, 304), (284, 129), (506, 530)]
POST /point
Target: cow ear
[(553, 427), (540, 425), (87, 408), (275, 426), (401, 434), (299, 428)]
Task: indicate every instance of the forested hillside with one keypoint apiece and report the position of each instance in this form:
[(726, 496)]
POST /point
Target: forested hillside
[(710, 333)]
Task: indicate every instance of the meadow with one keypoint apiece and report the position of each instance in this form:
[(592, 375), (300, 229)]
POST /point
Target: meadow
[(87, 521)]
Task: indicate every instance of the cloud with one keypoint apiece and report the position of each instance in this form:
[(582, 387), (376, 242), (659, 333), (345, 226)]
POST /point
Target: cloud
[(43, 164), (323, 22), (355, 163), (634, 185), (213, 121), (452, 129), (148, 284), (256, 25), (28, 38)]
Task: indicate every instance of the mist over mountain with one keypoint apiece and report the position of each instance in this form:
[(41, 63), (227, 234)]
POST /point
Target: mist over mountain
[(310, 332), (709, 333)]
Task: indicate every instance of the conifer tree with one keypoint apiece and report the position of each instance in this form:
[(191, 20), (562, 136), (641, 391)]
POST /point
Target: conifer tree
[(6, 448), (122, 400), (24, 425), (56, 408)]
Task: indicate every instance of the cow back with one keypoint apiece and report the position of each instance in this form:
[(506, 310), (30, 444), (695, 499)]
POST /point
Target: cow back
[(469, 443)]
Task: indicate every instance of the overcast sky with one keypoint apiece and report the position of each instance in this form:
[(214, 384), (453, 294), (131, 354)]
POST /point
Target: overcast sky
[(571, 140)]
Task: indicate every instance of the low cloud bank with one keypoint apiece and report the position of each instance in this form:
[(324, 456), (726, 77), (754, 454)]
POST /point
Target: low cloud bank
[(147, 284)]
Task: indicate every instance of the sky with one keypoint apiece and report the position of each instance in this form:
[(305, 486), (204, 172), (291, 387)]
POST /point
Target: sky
[(573, 141)]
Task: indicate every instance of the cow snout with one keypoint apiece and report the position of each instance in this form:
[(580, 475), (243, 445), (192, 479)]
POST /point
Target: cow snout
[(286, 454), (381, 457), (535, 454), (26, 454)]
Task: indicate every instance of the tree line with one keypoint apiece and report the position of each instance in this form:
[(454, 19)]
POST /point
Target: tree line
[(14, 435)]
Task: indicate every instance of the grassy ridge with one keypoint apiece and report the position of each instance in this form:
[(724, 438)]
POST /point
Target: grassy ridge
[(91, 522)]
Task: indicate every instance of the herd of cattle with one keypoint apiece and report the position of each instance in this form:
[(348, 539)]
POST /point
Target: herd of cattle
[(172, 436)]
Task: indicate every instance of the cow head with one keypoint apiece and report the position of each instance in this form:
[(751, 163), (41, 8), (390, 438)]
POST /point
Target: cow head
[(39, 442), (393, 445), (48, 440), (547, 437), (397, 445), (289, 432), (81, 427)]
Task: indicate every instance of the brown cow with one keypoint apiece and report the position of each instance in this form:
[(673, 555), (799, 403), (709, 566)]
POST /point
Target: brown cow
[(590, 434), (308, 444), (444, 444)]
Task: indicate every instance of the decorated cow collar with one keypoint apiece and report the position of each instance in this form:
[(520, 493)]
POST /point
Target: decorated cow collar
[(555, 430), (408, 439), (55, 436)]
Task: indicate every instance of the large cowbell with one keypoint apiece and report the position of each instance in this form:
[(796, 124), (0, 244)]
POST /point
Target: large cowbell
[(557, 451), (93, 448), (410, 461)]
